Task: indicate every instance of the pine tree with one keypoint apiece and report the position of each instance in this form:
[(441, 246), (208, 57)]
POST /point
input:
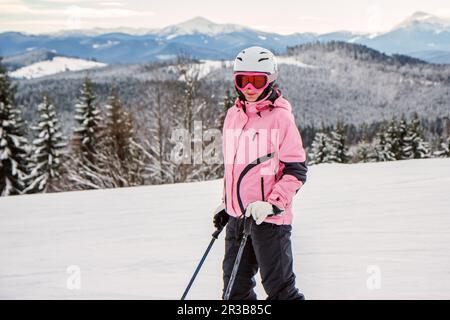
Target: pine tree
[(320, 149), (417, 147), (47, 150), (365, 152), (338, 151), (381, 148), (443, 150), (392, 149), (85, 169), (404, 145), (88, 120), (13, 142), (123, 155)]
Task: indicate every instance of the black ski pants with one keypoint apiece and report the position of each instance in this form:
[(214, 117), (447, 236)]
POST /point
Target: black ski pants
[(268, 248)]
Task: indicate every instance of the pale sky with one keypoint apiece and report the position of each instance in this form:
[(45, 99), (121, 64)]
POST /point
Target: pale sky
[(280, 16)]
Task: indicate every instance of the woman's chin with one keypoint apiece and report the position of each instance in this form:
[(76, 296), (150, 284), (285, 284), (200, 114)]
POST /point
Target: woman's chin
[(251, 98)]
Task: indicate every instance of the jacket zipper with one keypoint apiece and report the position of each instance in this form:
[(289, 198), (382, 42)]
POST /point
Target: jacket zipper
[(262, 189)]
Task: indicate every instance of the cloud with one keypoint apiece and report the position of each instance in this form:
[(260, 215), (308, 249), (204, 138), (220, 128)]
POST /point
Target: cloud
[(85, 12), (112, 4), (274, 29), (311, 18), (71, 1), (91, 2), (443, 12), (13, 6), (16, 7)]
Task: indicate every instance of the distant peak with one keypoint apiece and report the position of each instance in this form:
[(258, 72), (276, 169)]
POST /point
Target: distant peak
[(421, 17), (200, 24), (199, 20)]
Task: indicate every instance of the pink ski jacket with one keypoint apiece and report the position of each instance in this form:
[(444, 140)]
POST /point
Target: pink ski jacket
[(263, 155)]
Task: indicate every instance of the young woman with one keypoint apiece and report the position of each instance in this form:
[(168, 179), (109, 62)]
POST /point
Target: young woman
[(264, 169)]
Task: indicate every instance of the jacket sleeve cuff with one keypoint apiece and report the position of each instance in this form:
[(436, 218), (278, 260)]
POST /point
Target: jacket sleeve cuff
[(276, 200)]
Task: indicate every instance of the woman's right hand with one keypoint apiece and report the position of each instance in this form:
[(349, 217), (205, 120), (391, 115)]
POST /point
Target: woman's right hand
[(221, 217)]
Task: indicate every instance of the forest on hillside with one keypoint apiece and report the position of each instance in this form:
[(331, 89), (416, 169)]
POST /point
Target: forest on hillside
[(128, 125)]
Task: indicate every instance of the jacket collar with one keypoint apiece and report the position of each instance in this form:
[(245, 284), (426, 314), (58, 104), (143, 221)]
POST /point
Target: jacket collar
[(252, 108)]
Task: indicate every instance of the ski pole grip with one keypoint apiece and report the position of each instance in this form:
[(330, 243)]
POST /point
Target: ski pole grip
[(276, 211), (216, 233)]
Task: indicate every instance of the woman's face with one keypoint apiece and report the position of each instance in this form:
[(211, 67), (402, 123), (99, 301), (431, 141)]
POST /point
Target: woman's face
[(251, 95)]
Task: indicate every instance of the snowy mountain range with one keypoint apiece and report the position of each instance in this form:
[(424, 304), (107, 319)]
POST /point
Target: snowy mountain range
[(421, 35)]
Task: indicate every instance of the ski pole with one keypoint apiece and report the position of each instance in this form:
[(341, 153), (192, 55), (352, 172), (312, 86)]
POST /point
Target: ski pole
[(215, 235), (247, 232)]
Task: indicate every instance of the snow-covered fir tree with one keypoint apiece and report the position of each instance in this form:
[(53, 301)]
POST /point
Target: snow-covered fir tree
[(404, 145), (85, 169), (47, 150), (13, 142), (443, 149), (88, 122), (415, 145), (364, 151), (122, 154), (320, 149), (392, 146), (338, 150), (381, 148)]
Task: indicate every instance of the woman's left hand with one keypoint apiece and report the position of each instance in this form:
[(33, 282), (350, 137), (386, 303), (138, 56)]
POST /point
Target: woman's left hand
[(259, 210)]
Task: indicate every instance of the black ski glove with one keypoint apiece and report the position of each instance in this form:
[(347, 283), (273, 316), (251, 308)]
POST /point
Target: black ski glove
[(221, 217)]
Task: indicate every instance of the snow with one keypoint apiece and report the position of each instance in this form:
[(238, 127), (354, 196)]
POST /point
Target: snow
[(145, 242), (204, 68), (293, 61), (208, 66), (353, 40), (171, 36), (56, 65), (107, 44)]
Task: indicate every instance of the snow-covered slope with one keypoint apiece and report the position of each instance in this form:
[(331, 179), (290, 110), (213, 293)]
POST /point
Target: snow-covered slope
[(53, 66), (145, 242), (293, 61)]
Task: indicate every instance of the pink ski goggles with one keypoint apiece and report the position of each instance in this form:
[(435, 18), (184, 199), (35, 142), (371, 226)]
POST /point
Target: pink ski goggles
[(257, 81)]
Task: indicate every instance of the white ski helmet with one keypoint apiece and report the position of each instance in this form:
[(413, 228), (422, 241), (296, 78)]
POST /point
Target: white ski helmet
[(256, 59)]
